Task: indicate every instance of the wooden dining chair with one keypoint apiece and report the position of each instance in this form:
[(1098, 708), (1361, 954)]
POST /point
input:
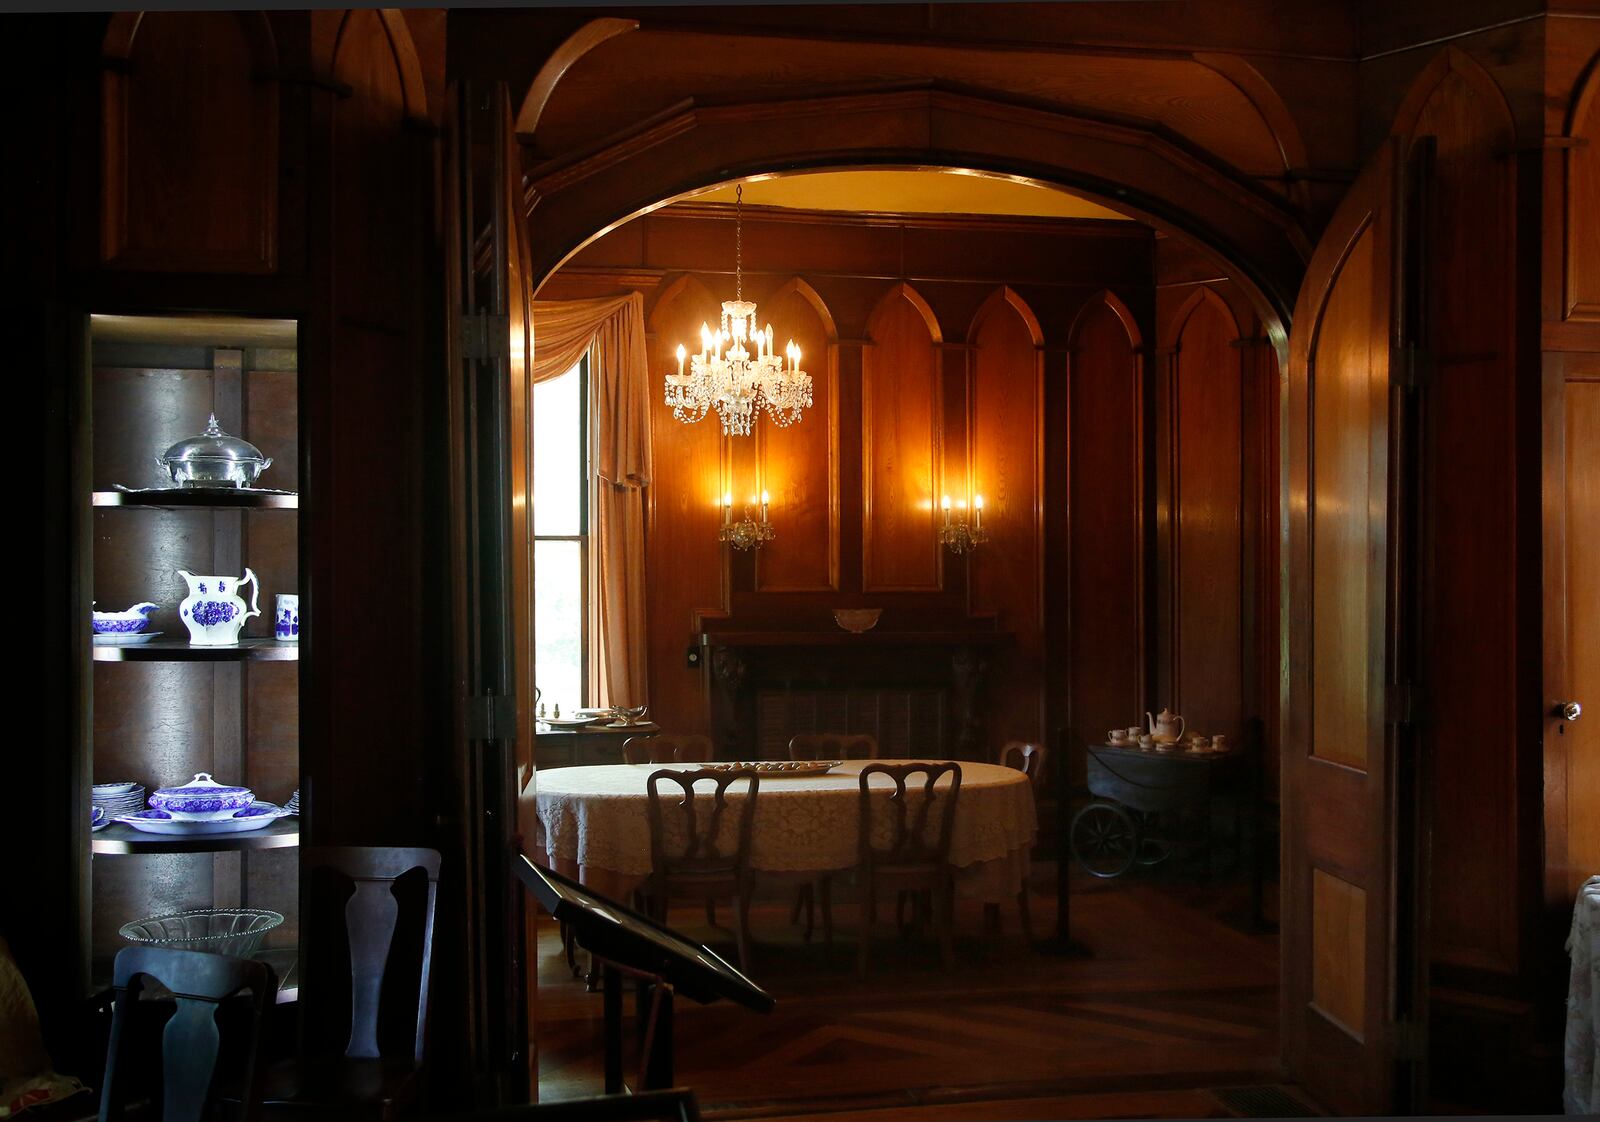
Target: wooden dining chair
[(363, 1021), (1030, 759), (833, 746), (694, 857), (667, 748), (910, 853), (192, 1040)]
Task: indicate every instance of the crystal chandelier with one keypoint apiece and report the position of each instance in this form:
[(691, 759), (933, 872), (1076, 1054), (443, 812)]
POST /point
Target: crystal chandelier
[(726, 377)]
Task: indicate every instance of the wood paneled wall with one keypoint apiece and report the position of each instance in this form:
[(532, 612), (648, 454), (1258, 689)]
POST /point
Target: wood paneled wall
[(950, 355)]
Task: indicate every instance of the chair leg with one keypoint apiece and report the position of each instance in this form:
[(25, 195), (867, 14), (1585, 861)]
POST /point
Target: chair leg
[(1024, 915), (799, 902), (869, 914), (826, 888), (741, 932), (946, 908)]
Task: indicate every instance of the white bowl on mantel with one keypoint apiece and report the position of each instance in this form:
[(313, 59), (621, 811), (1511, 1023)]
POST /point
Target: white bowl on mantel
[(857, 620)]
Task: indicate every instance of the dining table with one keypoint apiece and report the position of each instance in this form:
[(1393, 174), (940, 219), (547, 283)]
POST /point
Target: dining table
[(593, 824)]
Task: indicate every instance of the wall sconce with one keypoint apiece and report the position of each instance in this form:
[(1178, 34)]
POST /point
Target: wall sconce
[(746, 533), (957, 534)]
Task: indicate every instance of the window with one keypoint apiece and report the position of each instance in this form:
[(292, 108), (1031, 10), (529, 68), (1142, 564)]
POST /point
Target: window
[(561, 538)]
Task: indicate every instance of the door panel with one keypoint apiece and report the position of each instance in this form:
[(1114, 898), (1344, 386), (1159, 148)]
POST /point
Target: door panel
[(1582, 625), (1341, 949)]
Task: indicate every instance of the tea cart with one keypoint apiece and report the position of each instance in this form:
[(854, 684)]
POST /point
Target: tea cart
[(1138, 794)]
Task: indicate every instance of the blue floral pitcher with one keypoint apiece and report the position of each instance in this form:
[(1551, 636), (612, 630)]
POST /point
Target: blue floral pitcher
[(213, 611)]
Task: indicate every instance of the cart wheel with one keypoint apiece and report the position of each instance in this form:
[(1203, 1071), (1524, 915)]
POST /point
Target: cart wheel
[(1104, 840), (1153, 848)]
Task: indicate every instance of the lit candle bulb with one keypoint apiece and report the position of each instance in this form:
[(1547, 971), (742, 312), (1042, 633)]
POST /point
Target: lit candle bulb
[(977, 512), (945, 504), (796, 358), (727, 507), (682, 354), (769, 338), (705, 341), (765, 499)]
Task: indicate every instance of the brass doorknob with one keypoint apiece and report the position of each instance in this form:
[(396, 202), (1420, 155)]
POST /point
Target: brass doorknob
[(1569, 710)]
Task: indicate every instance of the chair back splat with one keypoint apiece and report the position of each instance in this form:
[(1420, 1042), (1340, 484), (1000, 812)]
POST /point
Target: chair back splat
[(703, 849), (372, 917), (1026, 757), (667, 748), (192, 1040), (911, 809), (833, 746)]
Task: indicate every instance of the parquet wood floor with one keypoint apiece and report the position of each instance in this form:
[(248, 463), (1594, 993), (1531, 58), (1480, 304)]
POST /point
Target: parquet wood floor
[(1176, 998)]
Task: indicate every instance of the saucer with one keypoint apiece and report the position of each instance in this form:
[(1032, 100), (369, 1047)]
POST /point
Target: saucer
[(124, 639), (567, 722)]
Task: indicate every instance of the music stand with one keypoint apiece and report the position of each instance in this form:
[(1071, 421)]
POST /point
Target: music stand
[(626, 943)]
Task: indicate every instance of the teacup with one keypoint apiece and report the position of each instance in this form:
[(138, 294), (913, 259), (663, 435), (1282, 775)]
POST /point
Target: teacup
[(1135, 732), (1219, 742), (1199, 743), (286, 620), (1147, 741), (1117, 736)]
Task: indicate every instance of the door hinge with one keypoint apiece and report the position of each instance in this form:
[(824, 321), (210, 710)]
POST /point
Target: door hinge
[(1415, 366), (1404, 704), (484, 335), (490, 717)]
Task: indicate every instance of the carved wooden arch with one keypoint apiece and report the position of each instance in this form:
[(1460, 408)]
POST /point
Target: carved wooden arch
[(797, 285), (1136, 168), (1205, 294), (906, 291), (1006, 295), (1453, 60), (408, 65), (1581, 298), (1106, 298), (572, 48), (683, 284), (123, 28), (1587, 97), (1263, 96)]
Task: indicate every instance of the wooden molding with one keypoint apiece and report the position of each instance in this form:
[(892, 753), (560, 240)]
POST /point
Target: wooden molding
[(1007, 223), (573, 48)]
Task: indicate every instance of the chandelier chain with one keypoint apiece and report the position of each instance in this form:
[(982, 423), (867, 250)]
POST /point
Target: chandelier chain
[(738, 242)]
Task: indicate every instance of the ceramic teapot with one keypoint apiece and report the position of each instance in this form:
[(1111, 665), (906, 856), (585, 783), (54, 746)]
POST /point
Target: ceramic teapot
[(213, 611), (1165, 727)]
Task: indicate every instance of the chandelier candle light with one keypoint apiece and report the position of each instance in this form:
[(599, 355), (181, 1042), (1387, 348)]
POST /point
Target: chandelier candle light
[(956, 533), (746, 533), (725, 375)]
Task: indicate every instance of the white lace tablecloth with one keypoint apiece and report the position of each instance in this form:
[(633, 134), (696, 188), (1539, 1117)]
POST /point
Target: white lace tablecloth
[(1581, 1095), (594, 824)]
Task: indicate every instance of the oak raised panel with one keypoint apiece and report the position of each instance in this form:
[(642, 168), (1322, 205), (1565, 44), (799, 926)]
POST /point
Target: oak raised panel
[(1341, 422), (684, 562), (1105, 498), (1338, 951), (1207, 518), (189, 143), (901, 406), (799, 463), (1583, 203), (1005, 416)]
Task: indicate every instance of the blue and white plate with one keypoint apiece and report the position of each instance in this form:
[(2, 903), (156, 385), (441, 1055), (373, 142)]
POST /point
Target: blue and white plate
[(252, 817), (98, 819), (124, 638)]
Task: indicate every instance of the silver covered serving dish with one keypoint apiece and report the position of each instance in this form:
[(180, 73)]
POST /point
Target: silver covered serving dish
[(214, 459)]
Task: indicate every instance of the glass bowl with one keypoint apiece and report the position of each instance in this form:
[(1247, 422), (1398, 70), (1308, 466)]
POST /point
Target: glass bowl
[(233, 931)]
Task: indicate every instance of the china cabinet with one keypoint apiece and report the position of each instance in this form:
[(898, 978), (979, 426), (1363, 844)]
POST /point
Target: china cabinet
[(165, 709)]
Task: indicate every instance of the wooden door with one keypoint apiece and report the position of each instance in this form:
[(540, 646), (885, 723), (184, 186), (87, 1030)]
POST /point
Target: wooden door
[(1348, 868), (484, 359), (1572, 623)]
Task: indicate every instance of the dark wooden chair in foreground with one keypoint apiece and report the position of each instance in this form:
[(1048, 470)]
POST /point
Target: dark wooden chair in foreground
[(192, 1040), (911, 852), (667, 748), (1030, 759), (833, 746), (375, 1069), (696, 856)]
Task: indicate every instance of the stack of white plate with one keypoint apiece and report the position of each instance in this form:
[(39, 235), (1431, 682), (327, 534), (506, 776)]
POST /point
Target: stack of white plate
[(293, 805), (117, 798)]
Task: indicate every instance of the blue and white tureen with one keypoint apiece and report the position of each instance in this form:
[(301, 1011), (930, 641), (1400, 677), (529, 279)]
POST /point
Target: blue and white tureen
[(202, 800)]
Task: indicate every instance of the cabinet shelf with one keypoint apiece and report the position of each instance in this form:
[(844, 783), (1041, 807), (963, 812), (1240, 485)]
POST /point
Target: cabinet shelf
[(177, 498), (117, 839), (177, 650)]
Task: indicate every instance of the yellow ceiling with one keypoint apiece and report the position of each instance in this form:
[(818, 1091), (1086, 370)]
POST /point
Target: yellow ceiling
[(209, 331), (897, 191)]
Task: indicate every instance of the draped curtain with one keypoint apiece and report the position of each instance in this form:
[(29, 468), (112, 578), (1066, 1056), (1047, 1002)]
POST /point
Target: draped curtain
[(611, 331)]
